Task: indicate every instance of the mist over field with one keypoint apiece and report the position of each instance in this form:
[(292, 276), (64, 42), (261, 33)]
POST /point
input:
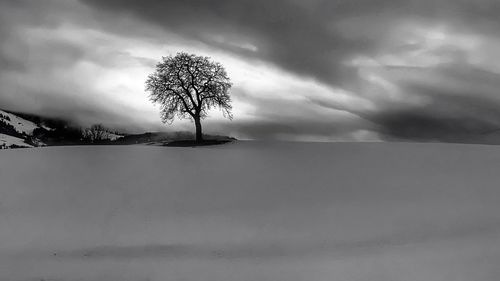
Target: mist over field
[(251, 210)]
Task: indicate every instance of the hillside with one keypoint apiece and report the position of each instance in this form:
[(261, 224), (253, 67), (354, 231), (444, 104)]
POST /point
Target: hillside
[(273, 210), (16, 132), (8, 141), (20, 125)]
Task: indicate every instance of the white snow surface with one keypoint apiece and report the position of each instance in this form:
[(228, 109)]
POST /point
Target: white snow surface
[(7, 141), (21, 125), (251, 211)]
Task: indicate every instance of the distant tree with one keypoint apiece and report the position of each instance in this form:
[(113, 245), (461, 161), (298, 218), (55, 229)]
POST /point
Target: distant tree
[(188, 86), (95, 133)]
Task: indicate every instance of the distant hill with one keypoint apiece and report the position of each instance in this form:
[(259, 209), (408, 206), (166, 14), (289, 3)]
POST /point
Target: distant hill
[(16, 132), (20, 130)]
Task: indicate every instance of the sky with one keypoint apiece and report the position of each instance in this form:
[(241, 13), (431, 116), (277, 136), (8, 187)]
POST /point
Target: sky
[(343, 70)]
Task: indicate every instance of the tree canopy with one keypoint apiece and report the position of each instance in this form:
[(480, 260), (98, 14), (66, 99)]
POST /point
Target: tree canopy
[(188, 86)]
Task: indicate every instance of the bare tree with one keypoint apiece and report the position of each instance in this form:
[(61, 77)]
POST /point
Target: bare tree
[(188, 86), (95, 133)]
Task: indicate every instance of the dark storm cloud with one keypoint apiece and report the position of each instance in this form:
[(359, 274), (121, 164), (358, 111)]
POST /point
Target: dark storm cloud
[(418, 124), (284, 32), (466, 107), (307, 37)]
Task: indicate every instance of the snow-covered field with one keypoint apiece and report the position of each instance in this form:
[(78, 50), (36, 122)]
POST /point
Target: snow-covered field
[(251, 211)]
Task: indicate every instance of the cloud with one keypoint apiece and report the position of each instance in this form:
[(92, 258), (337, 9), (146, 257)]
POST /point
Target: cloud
[(281, 32), (320, 69), (450, 103), (50, 67), (307, 38)]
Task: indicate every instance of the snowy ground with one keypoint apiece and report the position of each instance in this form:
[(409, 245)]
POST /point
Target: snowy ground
[(251, 211)]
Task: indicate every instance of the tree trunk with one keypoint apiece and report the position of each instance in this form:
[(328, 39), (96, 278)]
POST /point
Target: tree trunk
[(199, 135)]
